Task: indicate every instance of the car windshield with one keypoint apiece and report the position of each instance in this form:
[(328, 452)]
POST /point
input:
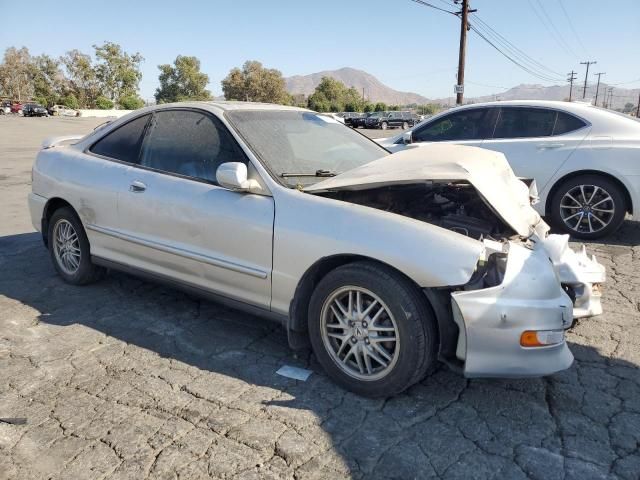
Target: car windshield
[(300, 148)]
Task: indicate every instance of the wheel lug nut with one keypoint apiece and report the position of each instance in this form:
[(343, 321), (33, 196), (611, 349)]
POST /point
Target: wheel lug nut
[(354, 339), (364, 324), (366, 340)]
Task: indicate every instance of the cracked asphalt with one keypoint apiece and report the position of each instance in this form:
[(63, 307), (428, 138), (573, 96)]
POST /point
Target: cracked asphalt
[(126, 379)]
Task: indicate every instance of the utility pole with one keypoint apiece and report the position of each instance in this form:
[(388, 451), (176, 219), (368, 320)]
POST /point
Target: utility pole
[(598, 87), (587, 63), (638, 107), (610, 98), (464, 27), (570, 79)]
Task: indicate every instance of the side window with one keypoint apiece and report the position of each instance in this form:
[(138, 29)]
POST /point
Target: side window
[(123, 143), (567, 123), (471, 124), (189, 143), (523, 122)]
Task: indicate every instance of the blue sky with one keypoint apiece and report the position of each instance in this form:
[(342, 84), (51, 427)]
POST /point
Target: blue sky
[(407, 46)]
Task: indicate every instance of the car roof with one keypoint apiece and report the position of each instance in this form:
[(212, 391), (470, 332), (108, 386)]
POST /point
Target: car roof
[(230, 106)]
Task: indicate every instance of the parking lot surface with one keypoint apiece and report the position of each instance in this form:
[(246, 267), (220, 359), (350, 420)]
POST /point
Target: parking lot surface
[(128, 379)]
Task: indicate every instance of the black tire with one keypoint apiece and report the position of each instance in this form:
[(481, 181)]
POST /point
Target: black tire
[(416, 327), (405, 125), (384, 125), (603, 183), (86, 272)]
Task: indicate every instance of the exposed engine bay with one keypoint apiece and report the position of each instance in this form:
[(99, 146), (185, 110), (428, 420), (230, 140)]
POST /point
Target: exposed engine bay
[(456, 206)]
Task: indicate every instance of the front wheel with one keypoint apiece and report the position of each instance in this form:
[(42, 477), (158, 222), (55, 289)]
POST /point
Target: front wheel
[(588, 207), (371, 329), (384, 125), (405, 125)]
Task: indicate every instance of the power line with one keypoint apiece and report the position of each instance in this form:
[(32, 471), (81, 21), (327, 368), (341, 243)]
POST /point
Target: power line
[(510, 58), (427, 4), (551, 28), (513, 49), (572, 27)]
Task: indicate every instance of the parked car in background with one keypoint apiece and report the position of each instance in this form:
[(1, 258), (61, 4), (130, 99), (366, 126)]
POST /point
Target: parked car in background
[(360, 122), (349, 117), (287, 214), (393, 119), (376, 120), (63, 111), (5, 107), (584, 159), (34, 110), (16, 108)]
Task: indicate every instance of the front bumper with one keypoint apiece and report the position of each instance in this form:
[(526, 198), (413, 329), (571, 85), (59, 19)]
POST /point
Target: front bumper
[(580, 273), (492, 320)]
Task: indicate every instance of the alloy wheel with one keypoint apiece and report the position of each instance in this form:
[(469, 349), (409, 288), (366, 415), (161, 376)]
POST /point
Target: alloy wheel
[(66, 246), (587, 208), (360, 333)]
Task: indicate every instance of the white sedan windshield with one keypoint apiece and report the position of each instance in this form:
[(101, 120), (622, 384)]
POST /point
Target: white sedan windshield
[(299, 148)]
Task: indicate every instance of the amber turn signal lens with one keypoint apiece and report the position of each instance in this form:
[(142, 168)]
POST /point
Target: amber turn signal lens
[(541, 338)]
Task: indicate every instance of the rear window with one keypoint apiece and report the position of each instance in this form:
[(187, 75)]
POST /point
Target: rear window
[(123, 143), (516, 122)]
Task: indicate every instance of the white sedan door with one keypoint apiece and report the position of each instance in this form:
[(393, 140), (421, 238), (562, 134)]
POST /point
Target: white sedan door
[(536, 141), (178, 223)]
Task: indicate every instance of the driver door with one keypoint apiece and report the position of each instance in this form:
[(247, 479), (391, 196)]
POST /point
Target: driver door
[(178, 223)]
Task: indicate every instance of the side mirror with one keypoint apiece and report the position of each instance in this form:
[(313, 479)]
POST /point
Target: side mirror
[(406, 138), (233, 176)]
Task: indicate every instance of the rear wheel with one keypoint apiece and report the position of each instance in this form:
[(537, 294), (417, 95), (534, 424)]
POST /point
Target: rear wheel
[(69, 249), (371, 329), (588, 207)]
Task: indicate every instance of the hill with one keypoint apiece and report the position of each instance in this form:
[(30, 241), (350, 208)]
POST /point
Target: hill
[(374, 89)]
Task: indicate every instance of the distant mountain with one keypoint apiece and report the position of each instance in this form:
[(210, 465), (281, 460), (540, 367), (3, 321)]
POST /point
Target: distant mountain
[(621, 96), (374, 89)]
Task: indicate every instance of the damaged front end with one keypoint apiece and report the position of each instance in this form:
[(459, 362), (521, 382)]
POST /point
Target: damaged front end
[(528, 286)]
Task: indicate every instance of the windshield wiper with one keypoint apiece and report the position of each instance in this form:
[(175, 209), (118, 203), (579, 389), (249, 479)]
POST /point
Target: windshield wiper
[(319, 173)]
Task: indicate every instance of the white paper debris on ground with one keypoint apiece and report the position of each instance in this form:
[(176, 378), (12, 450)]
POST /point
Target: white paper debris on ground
[(294, 372)]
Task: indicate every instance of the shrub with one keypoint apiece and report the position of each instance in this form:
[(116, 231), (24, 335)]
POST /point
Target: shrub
[(103, 103), (70, 101), (131, 102)]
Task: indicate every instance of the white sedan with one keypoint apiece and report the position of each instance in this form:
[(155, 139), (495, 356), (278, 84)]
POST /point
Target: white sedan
[(385, 264), (585, 160)]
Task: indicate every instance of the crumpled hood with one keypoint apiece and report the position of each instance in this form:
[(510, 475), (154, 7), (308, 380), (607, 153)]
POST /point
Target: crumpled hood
[(486, 170)]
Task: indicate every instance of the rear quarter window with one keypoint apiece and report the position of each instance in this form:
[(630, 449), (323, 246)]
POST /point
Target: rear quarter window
[(566, 123), (124, 143)]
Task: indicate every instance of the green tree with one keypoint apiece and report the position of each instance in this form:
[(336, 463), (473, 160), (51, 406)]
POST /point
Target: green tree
[(48, 80), (369, 107), (182, 81), (254, 83), (117, 71), (380, 107), (333, 95), (83, 82), (16, 81)]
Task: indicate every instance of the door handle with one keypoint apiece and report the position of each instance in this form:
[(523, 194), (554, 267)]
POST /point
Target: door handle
[(546, 146), (137, 187)]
